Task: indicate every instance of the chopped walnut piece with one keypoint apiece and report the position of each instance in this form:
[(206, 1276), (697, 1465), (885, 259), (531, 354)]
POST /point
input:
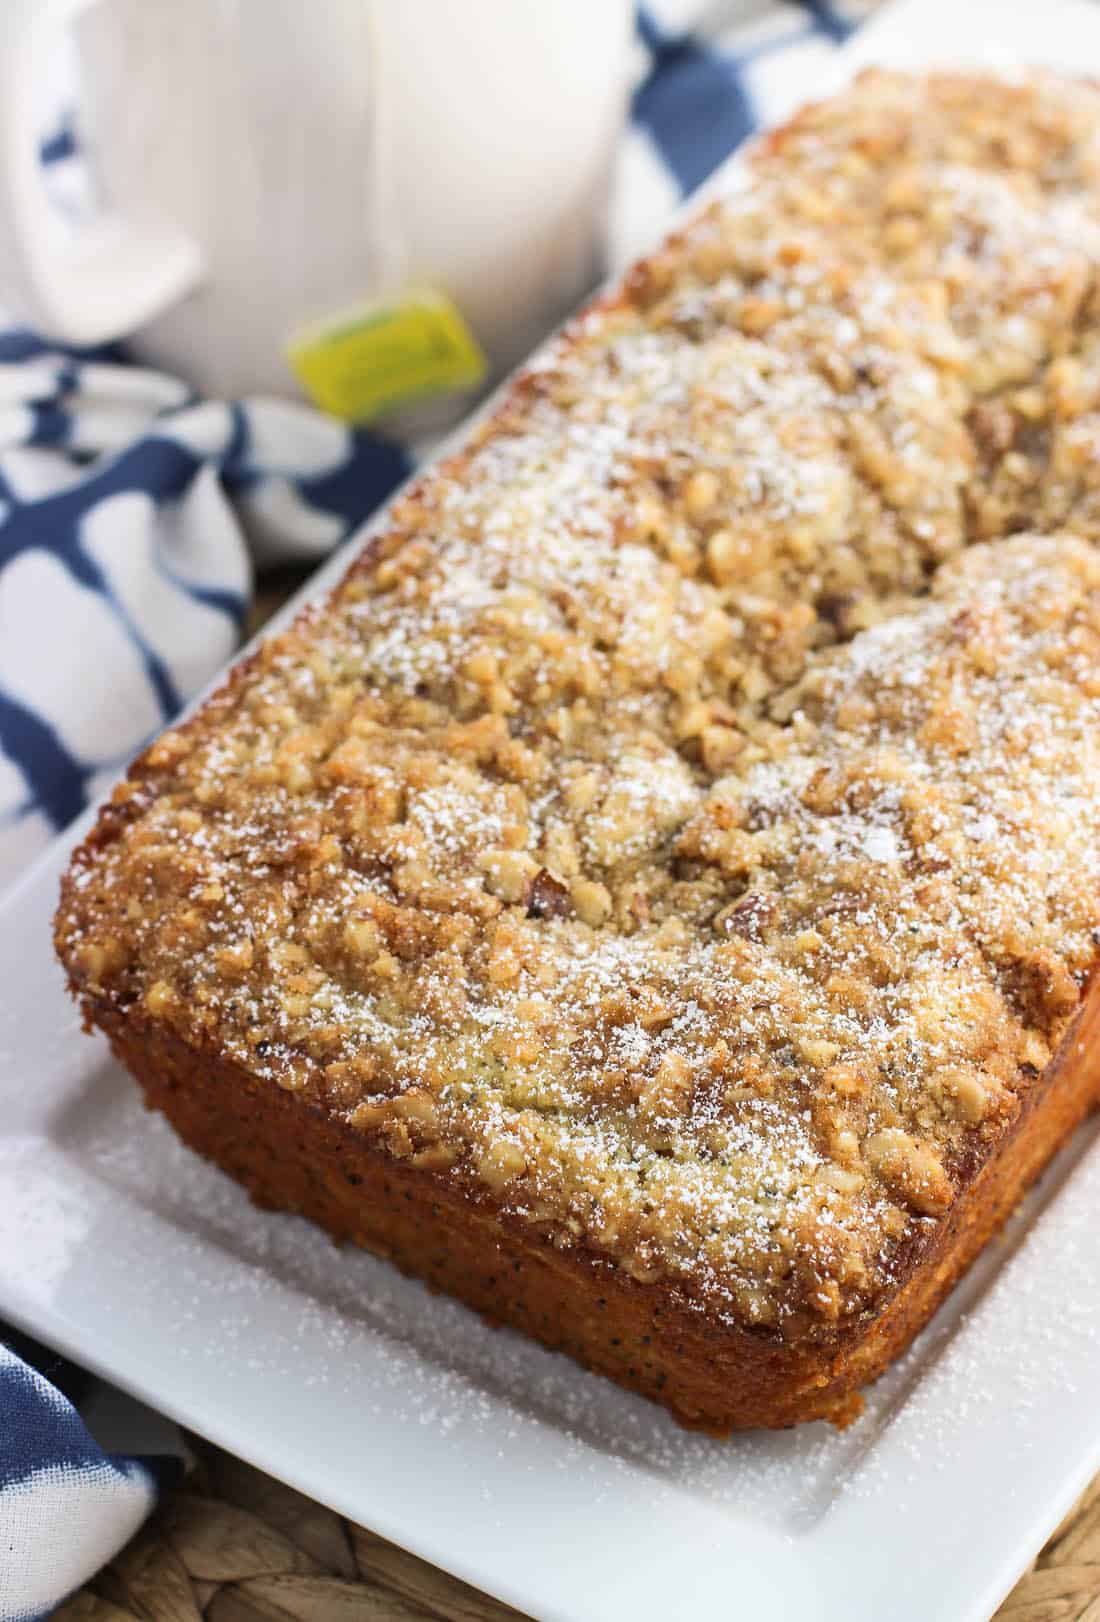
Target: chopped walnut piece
[(591, 900), (500, 1164), (749, 917), (912, 1171), (548, 897), (509, 874)]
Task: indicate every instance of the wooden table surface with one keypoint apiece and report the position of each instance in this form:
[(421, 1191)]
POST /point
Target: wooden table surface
[(232, 1545)]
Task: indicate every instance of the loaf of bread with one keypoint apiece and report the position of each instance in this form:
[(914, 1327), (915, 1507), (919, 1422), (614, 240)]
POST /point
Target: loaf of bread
[(654, 897)]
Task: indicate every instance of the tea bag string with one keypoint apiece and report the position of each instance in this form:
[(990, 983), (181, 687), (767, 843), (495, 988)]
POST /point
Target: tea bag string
[(388, 242)]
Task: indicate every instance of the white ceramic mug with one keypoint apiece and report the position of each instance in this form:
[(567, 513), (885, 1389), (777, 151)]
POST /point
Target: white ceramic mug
[(265, 163)]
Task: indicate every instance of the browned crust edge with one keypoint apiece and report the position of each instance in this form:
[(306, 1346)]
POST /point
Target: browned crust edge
[(714, 1376)]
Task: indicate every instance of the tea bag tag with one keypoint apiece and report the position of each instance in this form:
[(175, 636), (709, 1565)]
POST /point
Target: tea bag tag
[(385, 354)]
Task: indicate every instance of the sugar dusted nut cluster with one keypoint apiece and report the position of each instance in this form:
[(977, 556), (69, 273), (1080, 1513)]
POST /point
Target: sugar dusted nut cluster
[(673, 831)]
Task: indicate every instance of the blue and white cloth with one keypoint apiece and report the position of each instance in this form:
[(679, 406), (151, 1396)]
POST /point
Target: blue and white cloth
[(132, 517), (67, 1501)]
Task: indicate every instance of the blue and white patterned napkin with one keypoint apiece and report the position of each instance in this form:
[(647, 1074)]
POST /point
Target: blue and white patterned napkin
[(130, 515), (131, 518)]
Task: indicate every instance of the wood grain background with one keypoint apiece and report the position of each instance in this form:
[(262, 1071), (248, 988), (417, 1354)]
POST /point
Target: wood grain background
[(232, 1545)]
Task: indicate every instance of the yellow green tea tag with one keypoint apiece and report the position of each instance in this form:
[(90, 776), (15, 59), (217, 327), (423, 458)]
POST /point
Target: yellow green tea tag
[(375, 357)]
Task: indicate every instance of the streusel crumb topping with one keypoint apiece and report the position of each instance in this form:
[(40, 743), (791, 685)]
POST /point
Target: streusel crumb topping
[(672, 830)]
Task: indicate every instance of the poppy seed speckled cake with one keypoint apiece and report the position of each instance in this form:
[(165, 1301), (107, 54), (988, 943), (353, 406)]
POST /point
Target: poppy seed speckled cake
[(654, 897)]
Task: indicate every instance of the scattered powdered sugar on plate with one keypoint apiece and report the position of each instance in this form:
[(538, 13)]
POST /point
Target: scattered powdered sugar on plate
[(220, 1261)]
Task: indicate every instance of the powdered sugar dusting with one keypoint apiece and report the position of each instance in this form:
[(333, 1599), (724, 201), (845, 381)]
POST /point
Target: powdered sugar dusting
[(674, 826)]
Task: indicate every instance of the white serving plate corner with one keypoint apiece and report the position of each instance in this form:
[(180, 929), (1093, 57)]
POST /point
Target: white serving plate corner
[(480, 1451)]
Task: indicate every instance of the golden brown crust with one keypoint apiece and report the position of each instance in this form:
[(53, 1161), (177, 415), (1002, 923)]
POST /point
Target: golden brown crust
[(667, 840), (711, 1374)]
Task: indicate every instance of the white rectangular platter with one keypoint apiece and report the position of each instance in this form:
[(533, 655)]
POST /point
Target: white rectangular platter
[(501, 1462)]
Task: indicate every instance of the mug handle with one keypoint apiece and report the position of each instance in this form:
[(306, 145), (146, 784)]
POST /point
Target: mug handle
[(83, 285)]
